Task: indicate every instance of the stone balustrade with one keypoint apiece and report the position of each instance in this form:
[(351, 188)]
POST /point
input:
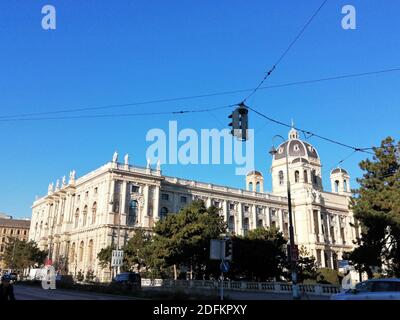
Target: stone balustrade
[(273, 287)]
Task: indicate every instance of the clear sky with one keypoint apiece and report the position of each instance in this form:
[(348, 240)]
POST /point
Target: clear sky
[(116, 52)]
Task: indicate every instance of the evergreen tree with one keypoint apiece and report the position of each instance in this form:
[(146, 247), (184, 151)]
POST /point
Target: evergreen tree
[(183, 239), (376, 206), (136, 251), (260, 255), (104, 257)]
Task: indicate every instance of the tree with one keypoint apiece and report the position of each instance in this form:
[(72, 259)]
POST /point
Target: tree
[(104, 257), (136, 251), (20, 254), (376, 206), (89, 277), (306, 266), (259, 255), (183, 239)]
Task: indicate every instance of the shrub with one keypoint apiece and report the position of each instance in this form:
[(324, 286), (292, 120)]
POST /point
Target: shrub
[(328, 276)]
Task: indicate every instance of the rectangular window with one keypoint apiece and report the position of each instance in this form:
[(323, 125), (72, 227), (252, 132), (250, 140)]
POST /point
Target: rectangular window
[(246, 209), (216, 204), (96, 190), (165, 196), (319, 256), (18, 232), (342, 234), (25, 233), (316, 223), (134, 189), (232, 206), (286, 229), (333, 234), (183, 199)]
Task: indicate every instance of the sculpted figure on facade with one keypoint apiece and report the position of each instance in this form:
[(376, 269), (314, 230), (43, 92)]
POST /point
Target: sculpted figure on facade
[(115, 157)]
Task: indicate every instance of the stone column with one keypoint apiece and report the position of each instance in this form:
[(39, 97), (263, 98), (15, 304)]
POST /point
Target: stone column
[(225, 210), (279, 225), (328, 226), (240, 224), (268, 217), (254, 216), (156, 203), (319, 226), (123, 202), (311, 225), (145, 217), (109, 219)]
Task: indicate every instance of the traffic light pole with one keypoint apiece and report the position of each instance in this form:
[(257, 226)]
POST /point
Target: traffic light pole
[(223, 243), (295, 287)]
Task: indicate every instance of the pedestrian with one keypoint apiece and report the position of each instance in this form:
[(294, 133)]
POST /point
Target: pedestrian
[(6, 289)]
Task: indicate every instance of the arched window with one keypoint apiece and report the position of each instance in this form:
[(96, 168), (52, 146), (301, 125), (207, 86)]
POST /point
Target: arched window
[(94, 212), (81, 252), (260, 223), (76, 218), (305, 176), (163, 212), (132, 214), (345, 185), (258, 187), (337, 186), (250, 186), (90, 251), (72, 253), (84, 217), (281, 178), (314, 177), (296, 176)]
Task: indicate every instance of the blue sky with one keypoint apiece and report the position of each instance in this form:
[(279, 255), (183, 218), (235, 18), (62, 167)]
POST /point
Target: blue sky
[(108, 52)]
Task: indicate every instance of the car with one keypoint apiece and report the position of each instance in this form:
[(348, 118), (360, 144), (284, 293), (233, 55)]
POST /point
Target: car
[(127, 280), (66, 280), (14, 276), (373, 289)]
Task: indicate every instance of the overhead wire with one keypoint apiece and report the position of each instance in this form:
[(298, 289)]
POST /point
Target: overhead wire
[(221, 93), (291, 44)]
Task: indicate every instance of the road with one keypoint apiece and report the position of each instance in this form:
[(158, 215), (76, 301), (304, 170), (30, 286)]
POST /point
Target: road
[(38, 293), (23, 292)]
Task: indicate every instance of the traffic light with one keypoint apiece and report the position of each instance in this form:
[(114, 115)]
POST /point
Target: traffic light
[(228, 249), (240, 122), (235, 124)]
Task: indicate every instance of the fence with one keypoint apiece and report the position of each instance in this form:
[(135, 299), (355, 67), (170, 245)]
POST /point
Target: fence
[(273, 287)]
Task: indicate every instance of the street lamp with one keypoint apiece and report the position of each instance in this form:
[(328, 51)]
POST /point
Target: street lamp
[(295, 288)]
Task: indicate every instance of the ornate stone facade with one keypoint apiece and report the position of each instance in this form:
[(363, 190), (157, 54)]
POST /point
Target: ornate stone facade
[(79, 218)]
